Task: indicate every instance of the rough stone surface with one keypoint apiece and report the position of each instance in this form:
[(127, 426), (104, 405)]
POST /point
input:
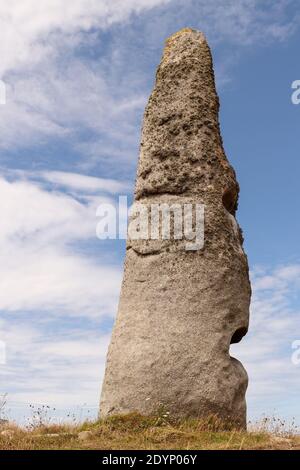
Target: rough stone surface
[(180, 310)]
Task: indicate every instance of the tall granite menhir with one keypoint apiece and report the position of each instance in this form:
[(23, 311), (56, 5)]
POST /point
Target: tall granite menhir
[(179, 309)]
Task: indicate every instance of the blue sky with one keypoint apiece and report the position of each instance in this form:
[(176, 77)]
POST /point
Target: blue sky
[(78, 75)]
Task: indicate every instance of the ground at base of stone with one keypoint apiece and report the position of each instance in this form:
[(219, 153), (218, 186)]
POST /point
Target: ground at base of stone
[(133, 432)]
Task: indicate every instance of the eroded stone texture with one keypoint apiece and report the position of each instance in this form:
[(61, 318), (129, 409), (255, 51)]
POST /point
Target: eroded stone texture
[(180, 310)]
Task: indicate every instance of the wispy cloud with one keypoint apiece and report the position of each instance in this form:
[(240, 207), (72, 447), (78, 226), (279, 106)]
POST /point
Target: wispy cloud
[(31, 28), (84, 182), (40, 268), (57, 89), (57, 367), (53, 296)]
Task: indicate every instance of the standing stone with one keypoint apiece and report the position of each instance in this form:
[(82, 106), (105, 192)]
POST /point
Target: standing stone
[(181, 309)]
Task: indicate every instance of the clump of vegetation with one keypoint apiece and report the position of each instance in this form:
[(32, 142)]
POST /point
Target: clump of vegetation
[(276, 426), (134, 431)]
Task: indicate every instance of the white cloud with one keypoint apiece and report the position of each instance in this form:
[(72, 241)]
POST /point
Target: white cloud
[(56, 281), (53, 92), (53, 297), (26, 27), (84, 182), (31, 213), (62, 369), (52, 102), (38, 269)]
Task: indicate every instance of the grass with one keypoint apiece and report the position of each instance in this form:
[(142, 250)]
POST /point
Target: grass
[(134, 431)]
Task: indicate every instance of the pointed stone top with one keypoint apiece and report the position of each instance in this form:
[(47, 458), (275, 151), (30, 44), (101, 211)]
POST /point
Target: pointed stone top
[(187, 41), (183, 31)]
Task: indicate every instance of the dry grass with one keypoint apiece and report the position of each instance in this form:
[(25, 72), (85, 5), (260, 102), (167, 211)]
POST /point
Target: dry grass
[(134, 431)]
